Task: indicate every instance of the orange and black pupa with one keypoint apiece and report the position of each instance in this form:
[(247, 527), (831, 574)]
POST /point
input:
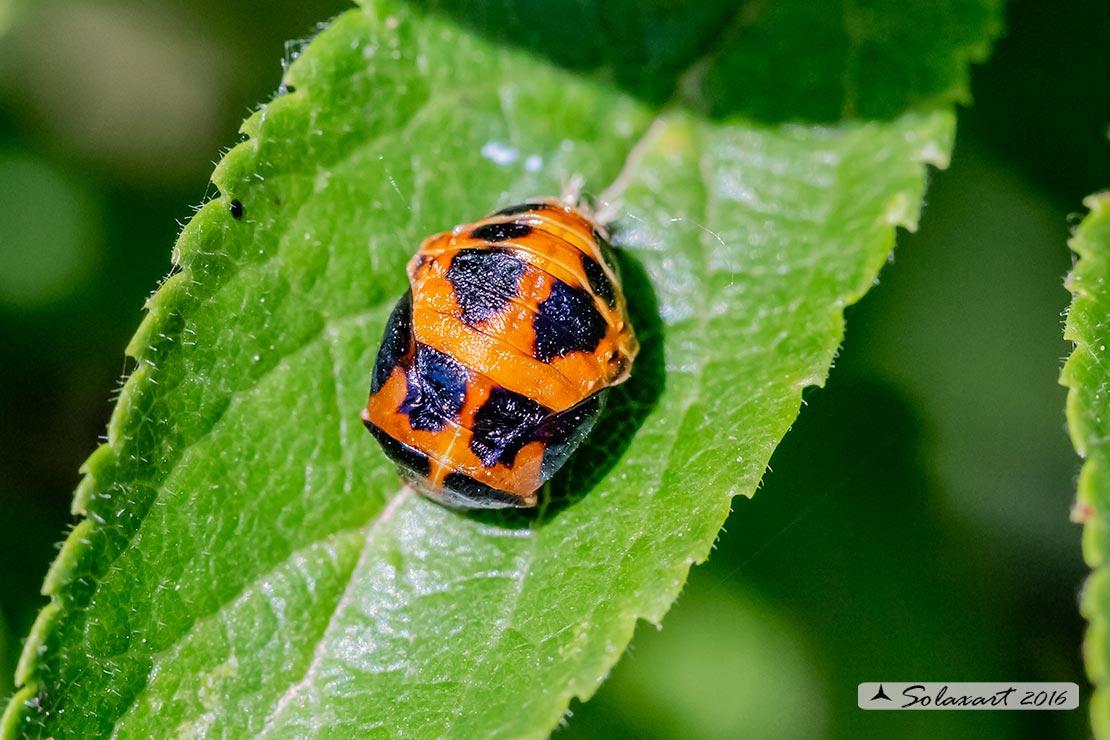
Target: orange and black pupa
[(495, 364)]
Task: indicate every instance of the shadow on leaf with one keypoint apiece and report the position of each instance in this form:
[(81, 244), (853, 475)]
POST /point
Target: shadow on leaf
[(765, 61)]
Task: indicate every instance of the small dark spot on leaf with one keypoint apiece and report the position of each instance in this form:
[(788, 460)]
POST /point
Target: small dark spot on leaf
[(236, 209)]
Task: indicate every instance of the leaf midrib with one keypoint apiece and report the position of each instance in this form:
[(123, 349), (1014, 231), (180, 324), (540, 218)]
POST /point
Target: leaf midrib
[(723, 33)]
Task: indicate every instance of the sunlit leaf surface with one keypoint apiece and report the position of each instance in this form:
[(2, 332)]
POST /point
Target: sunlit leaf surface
[(1087, 375), (249, 564)]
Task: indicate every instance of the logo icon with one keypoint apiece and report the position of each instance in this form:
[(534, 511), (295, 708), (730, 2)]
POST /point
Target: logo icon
[(880, 694)]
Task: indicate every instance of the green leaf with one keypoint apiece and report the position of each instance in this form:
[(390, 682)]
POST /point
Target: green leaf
[(249, 563), (1087, 377)]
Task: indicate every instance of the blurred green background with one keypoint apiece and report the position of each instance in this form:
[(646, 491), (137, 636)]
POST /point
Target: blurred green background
[(915, 524)]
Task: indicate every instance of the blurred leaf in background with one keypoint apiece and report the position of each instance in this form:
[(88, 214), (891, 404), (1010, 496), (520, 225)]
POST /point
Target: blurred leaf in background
[(926, 536), (50, 233), (120, 87)]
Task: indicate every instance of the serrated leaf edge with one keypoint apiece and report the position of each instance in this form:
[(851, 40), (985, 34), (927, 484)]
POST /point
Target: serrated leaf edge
[(898, 213), (1094, 605), (75, 546)]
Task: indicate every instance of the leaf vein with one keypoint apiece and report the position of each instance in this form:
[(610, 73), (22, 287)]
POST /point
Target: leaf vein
[(318, 655)]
